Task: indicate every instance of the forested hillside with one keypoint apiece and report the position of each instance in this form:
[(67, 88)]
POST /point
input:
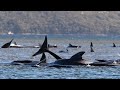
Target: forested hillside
[(60, 22)]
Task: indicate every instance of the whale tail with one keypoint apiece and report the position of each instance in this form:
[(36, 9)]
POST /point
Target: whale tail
[(7, 45), (54, 55), (78, 56), (43, 48)]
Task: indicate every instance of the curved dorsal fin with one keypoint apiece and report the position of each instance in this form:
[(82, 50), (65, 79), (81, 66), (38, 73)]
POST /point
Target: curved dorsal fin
[(114, 45), (7, 45), (78, 55), (70, 44), (15, 43)]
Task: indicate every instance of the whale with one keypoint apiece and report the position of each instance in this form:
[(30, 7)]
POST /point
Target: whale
[(43, 61), (44, 48), (73, 46), (107, 62), (114, 45), (91, 49), (91, 44), (15, 45), (76, 59), (102, 64), (7, 45), (52, 46), (64, 51), (30, 62)]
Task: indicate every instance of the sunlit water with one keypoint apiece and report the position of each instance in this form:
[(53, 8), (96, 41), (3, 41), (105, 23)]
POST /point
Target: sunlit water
[(102, 47)]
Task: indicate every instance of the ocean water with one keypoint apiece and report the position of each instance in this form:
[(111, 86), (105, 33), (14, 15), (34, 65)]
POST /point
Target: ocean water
[(102, 46)]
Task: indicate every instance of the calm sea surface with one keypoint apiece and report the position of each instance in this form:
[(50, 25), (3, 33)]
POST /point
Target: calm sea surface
[(102, 47)]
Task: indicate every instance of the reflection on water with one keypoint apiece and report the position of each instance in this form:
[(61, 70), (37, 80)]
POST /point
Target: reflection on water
[(101, 45)]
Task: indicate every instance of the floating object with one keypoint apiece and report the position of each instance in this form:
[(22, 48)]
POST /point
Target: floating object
[(10, 33)]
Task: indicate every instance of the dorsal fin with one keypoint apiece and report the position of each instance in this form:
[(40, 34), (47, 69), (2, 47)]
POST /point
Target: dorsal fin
[(91, 49), (114, 45), (91, 44), (15, 43), (7, 45), (43, 58), (78, 55), (70, 44), (43, 48)]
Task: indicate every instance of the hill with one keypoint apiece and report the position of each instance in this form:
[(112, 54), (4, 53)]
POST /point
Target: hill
[(60, 22)]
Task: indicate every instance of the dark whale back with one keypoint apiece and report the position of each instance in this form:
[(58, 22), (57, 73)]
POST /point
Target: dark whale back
[(73, 46), (101, 60), (7, 45), (30, 62), (74, 60)]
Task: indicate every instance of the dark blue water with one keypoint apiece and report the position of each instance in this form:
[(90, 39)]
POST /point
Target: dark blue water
[(102, 47)]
